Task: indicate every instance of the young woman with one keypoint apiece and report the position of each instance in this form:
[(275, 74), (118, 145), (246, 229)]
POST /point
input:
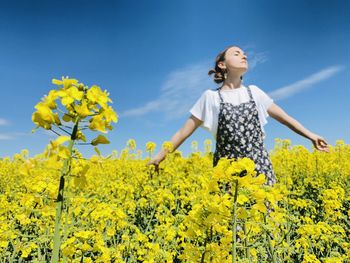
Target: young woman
[(235, 115)]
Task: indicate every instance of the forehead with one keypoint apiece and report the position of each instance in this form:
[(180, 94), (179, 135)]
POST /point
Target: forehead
[(234, 49)]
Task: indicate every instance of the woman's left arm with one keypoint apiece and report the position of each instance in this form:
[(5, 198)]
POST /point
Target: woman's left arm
[(280, 115)]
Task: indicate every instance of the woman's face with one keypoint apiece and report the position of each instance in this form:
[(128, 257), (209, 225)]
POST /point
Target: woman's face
[(236, 60)]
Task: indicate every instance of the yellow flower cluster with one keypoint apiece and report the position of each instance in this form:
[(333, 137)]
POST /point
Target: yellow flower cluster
[(80, 103), (120, 210)]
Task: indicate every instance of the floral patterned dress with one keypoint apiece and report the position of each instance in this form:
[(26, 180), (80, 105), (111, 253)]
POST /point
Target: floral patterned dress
[(239, 135)]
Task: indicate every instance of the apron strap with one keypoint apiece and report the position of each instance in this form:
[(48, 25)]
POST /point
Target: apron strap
[(220, 95), (250, 94)]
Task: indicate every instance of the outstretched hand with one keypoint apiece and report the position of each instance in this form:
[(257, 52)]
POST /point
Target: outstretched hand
[(154, 162), (319, 143)]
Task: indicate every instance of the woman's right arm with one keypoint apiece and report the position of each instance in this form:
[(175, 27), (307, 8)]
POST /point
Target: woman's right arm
[(178, 138)]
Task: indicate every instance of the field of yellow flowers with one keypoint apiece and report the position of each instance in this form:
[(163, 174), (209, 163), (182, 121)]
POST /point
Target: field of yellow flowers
[(61, 207)]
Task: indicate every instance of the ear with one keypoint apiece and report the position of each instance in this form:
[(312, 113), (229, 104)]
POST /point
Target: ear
[(221, 65)]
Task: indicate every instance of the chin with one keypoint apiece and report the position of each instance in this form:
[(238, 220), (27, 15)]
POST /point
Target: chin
[(245, 67), (244, 70)]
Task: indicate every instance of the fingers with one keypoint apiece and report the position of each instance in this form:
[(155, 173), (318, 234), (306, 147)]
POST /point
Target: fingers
[(155, 163), (321, 139), (324, 142), (322, 145)]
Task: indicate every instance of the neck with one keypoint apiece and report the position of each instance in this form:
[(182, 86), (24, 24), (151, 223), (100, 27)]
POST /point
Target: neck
[(232, 82)]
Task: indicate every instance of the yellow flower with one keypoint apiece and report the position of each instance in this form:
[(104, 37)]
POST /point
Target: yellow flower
[(168, 146), (63, 152), (260, 206), (49, 100), (310, 258), (82, 110), (207, 145), (131, 144), (28, 249), (241, 169), (23, 219), (100, 139), (65, 82), (242, 199), (97, 123), (56, 149), (80, 136), (95, 95), (86, 247), (109, 114), (44, 117), (194, 146), (150, 146), (68, 251), (84, 234), (70, 94), (259, 194), (110, 231), (61, 139)]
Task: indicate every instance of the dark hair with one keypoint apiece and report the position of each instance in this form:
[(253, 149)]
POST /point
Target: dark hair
[(219, 72)]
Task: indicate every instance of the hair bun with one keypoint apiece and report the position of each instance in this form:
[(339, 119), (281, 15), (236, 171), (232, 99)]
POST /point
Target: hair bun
[(218, 77), (212, 71)]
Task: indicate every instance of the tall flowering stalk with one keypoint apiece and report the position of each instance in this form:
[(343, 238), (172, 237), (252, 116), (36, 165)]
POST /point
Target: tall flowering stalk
[(234, 223), (236, 175), (81, 108)]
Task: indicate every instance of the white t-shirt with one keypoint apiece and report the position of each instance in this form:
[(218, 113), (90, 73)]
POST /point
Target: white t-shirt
[(207, 106)]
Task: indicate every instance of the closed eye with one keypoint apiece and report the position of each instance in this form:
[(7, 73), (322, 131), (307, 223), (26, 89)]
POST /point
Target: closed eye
[(237, 52)]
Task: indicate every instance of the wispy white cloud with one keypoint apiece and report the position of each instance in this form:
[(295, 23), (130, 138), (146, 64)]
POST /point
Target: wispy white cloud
[(300, 85), (11, 136), (256, 58), (5, 137), (183, 87), (4, 122), (178, 92)]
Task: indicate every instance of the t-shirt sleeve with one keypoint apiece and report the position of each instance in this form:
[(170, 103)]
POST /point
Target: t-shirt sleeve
[(202, 110), (264, 99)]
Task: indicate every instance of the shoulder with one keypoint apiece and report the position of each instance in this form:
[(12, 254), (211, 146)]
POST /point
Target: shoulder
[(209, 93), (261, 96), (255, 88), (207, 97)]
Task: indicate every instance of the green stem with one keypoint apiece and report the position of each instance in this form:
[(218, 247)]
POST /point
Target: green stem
[(234, 224), (66, 226), (59, 207), (289, 225), (247, 249), (270, 247), (205, 248), (150, 220), (60, 197)]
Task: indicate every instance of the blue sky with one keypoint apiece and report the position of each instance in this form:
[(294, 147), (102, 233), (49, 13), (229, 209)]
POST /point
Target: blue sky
[(153, 58)]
